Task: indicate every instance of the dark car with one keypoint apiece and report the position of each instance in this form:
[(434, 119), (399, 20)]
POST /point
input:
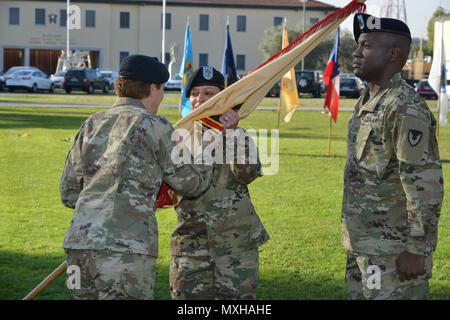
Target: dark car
[(308, 81), (350, 87), (424, 90), (275, 90), (85, 79)]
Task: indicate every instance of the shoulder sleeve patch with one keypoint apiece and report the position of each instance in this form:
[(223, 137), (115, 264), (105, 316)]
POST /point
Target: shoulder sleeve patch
[(412, 141)]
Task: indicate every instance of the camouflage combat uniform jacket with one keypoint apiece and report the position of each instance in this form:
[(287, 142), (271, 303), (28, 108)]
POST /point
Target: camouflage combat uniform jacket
[(113, 174), (222, 220), (393, 183)]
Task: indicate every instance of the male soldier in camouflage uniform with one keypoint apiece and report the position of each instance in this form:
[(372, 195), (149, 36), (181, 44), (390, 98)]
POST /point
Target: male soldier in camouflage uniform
[(393, 184), (215, 243), (111, 178)]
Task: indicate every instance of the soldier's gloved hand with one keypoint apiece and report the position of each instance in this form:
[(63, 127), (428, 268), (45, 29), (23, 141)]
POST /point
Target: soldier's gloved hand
[(409, 266), (229, 119)]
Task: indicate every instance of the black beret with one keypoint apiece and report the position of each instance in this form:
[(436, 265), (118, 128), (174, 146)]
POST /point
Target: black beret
[(205, 76), (365, 23), (144, 68)]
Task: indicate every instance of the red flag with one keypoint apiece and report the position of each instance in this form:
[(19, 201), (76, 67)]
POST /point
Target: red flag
[(331, 78)]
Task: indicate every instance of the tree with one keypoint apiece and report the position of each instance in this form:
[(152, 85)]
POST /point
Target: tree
[(430, 28), (317, 59)]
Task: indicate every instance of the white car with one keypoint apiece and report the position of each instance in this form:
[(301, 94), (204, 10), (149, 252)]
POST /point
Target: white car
[(58, 79), (31, 80), (110, 77), (174, 83)]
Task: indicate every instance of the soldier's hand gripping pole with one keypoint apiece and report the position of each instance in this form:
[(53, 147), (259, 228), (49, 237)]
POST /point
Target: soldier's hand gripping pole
[(52, 276)]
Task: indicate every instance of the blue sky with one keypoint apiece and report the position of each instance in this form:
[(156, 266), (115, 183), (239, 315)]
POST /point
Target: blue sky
[(418, 12)]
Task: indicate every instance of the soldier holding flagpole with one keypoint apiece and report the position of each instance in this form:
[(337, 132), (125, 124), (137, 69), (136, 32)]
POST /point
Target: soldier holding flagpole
[(214, 246)]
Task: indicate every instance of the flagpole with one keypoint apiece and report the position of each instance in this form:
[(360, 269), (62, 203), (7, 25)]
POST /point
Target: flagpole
[(439, 112), (163, 45), (226, 38), (183, 66), (440, 80), (67, 31), (329, 134), (279, 111)]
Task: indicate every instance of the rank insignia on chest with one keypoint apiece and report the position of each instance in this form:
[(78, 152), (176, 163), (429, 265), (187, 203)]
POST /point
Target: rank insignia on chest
[(414, 137)]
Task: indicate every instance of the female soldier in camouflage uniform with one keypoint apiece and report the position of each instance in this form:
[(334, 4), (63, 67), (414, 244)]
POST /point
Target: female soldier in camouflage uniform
[(111, 178), (215, 243)]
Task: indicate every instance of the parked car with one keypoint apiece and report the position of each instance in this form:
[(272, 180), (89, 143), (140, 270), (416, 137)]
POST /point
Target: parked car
[(323, 86), (424, 90), (110, 77), (18, 68), (350, 86), (174, 83), (308, 81), (275, 90), (32, 80), (58, 79), (85, 79)]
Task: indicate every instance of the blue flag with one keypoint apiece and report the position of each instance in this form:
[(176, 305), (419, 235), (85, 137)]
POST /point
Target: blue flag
[(186, 71), (228, 66)]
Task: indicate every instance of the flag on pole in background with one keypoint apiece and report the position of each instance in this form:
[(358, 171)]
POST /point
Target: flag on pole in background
[(228, 66), (288, 87), (331, 78), (438, 78), (186, 71)]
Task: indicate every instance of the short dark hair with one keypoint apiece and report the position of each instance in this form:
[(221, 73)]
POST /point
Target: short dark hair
[(132, 88)]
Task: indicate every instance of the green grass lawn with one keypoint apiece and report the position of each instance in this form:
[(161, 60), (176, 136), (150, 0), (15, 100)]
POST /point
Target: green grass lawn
[(300, 206), (170, 98)]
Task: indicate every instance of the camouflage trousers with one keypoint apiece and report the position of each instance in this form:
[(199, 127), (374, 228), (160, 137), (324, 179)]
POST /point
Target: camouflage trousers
[(229, 277), (107, 275), (374, 277)]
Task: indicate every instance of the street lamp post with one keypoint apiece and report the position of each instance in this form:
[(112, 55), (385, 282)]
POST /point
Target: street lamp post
[(303, 31)]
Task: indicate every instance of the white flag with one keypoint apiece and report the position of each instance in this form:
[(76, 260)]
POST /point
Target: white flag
[(74, 17), (437, 78)]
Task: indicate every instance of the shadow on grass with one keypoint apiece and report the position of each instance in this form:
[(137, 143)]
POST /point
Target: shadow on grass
[(22, 120), (20, 273), (280, 285)]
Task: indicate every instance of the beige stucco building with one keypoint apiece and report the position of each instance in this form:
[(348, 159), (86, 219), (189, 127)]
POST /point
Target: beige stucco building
[(34, 32)]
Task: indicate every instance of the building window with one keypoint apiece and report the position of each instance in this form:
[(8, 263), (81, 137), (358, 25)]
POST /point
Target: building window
[(39, 17), (14, 16), (123, 55), (168, 21), (277, 21), (240, 61), (90, 18), (241, 23), (62, 17), (204, 22), (202, 59), (124, 20), (313, 21)]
